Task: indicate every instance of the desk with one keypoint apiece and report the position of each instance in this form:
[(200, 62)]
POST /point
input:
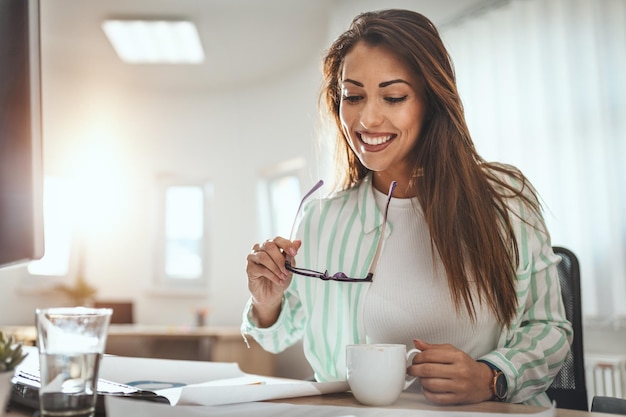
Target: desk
[(415, 401), (407, 400), (411, 401), (208, 343)]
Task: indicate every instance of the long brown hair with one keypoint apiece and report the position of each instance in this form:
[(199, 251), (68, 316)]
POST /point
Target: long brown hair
[(463, 199)]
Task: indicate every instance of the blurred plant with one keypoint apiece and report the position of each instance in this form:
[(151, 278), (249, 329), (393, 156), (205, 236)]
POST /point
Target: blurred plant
[(81, 293), (11, 353)]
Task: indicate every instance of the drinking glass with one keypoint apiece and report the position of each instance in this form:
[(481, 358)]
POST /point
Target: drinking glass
[(71, 343)]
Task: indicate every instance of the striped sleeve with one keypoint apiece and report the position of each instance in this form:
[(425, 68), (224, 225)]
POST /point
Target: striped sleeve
[(531, 351), (285, 332)]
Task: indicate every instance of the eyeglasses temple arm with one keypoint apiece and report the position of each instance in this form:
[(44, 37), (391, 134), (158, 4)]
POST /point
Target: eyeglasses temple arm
[(392, 187), (306, 196)]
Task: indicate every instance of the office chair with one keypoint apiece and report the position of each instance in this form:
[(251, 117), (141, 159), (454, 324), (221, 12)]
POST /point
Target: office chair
[(609, 405), (569, 389)]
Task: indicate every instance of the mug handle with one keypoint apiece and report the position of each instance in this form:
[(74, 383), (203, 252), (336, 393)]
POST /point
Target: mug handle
[(409, 361)]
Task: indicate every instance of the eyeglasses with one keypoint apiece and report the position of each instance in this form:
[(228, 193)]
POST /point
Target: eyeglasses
[(339, 276)]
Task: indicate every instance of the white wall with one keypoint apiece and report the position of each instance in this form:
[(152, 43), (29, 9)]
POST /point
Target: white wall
[(227, 137)]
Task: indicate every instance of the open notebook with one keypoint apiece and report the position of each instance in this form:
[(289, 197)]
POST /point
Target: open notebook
[(175, 382)]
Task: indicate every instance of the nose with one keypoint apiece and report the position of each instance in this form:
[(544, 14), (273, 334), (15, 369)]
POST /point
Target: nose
[(370, 115)]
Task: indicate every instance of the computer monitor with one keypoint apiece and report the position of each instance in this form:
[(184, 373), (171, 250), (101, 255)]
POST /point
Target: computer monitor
[(21, 169)]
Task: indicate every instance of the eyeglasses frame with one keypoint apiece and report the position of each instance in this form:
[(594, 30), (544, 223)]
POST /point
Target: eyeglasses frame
[(340, 276)]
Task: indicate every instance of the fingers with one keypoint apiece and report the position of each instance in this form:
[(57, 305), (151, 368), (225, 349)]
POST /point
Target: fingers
[(269, 263), (286, 245), (454, 391), (447, 374), (421, 345), (434, 353), (445, 388), (267, 260)]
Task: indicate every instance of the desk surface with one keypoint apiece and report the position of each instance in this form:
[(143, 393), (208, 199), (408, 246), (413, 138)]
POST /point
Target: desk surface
[(418, 402), (411, 401), (29, 333)]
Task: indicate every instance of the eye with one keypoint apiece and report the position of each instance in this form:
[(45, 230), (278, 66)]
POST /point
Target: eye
[(396, 99), (351, 99)]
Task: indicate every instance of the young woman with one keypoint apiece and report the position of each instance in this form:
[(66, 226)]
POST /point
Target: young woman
[(466, 272)]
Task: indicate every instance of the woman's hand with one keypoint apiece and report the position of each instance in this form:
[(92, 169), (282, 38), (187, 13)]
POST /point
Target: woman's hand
[(268, 278), (450, 376)]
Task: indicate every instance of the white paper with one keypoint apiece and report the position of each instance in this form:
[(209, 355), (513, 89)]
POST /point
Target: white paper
[(132, 371), (207, 383), (254, 388), (117, 407)]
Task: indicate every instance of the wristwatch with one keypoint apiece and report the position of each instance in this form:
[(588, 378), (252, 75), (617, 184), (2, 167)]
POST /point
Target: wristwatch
[(499, 386)]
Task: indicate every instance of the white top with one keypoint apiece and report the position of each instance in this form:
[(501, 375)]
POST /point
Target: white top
[(410, 298)]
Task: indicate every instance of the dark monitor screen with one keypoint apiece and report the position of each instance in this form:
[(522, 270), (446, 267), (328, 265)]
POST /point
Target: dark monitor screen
[(21, 194)]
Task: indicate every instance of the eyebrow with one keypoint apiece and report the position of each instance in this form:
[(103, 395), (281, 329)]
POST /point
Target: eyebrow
[(381, 85)]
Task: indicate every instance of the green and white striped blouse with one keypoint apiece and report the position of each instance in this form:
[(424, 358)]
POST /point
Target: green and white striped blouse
[(340, 233)]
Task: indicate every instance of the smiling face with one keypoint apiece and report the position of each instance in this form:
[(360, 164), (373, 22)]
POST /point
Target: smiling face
[(382, 111)]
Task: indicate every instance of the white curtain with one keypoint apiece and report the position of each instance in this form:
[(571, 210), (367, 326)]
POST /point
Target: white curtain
[(543, 83)]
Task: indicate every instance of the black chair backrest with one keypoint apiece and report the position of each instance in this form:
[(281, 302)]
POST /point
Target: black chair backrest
[(609, 405), (569, 389)]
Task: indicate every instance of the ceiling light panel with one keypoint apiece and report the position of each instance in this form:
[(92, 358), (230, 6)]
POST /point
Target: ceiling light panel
[(155, 41)]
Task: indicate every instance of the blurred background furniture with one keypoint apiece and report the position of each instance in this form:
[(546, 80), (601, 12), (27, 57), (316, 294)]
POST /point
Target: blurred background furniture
[(569, 388), (609, 405), (207, 343), (122, 310)]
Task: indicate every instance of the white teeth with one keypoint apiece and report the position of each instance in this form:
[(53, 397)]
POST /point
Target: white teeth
[(378, 140)]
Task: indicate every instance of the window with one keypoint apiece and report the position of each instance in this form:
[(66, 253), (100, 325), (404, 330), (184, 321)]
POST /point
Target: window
[(284, 196), (182, 255)]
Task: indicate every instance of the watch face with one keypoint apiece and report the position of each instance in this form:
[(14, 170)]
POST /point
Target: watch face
[(501, 387)]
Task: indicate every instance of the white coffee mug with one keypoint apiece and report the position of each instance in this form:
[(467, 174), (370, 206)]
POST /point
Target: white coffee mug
[(377, 372)]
